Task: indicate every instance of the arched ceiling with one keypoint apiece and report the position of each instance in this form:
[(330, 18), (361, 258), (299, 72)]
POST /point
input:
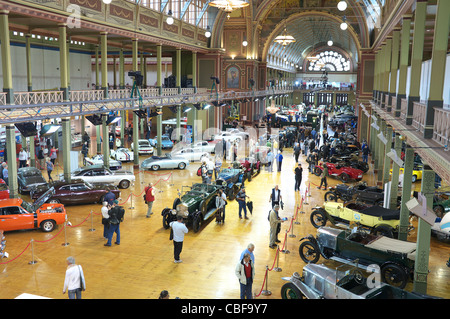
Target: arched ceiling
[(312, 23)]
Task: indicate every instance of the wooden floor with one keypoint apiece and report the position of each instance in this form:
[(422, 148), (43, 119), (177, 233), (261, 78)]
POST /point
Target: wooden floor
[(143, 264)]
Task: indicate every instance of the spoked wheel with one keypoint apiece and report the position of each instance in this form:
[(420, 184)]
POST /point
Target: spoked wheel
[(394, 275), (290, 291), (318, 219), (309, 252), (330, 196)]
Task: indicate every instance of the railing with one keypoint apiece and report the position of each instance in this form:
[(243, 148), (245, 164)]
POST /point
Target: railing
[(419, 113), (86, 95), (441, 129), (118, 94), (38, 97), (403, 109)]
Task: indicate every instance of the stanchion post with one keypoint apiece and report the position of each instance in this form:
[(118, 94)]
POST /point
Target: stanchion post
[(292, 229), (131, 204), (278, 269), (296, 216), (92, 221), (266, 292), (65, 234), (32, 262), (285, 250), (309, 189), (171, 180)]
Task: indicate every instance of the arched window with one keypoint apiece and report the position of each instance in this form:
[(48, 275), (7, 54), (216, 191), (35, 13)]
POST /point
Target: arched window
[(331, 61)]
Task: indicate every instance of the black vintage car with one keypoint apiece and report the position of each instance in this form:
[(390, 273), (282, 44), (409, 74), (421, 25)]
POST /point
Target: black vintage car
[(28, 178), (231, 180), (360, 192), (196, 205)]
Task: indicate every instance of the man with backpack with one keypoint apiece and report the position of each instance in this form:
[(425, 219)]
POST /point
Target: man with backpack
[(116, 214)]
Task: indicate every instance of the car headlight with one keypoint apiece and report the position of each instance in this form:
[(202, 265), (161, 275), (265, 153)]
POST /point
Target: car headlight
[(182, 210)]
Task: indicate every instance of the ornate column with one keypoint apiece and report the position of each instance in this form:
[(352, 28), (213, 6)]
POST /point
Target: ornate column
[(416, 58), (66, 147), (403, 63), (406, 192), (63, 61), (135, 116), (159, 109), (28, 61), (104, 49), (6, 57), (438, 60), (394, 68)]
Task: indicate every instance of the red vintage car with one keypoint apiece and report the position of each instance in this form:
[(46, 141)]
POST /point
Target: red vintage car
[(251, 166), (4, 189), (344, 173)]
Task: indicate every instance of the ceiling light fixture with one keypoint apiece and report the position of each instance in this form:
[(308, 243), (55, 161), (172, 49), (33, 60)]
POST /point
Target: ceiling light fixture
[(169, 20), (344, 24), (342, 5), (208, 32)]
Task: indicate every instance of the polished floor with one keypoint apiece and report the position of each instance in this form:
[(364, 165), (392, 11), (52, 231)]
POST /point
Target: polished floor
[(142, 265)]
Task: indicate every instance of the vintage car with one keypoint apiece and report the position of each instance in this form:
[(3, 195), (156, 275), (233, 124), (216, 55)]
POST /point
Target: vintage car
[(122, 154), (191, 154), (196, 206), (98, 160), (4, 189), (394, 257), (341, 119), (360, 192), (228, 136), (205, 146), (29, 177), (144, 147), (321, 282), (344, 173), (251, 166), (166, 142), (77, 191), (164, 162), (231, 179), (441, 228), (441, 204), (417, 172), (376, 219), (17, 214), (98, 174), (347, 160)]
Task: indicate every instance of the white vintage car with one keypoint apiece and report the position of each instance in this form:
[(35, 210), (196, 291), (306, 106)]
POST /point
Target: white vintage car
[(98, 174), (98, 160), (191, 154), (228, 136), (122, 154), (144, 147), (205, 146)]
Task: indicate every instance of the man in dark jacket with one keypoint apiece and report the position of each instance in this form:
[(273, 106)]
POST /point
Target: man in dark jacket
[(116, 214), (298, 177)]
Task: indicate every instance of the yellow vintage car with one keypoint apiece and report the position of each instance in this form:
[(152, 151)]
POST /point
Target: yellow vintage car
[(417, 173), (375, 219)]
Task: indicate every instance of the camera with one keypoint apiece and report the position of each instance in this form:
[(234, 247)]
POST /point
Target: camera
[(138, 77)]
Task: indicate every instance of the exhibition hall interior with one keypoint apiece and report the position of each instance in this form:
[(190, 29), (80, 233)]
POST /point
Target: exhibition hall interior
[(224, 149)]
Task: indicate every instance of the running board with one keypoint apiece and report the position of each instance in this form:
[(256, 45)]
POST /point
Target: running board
[(209, 213), (351, 263)]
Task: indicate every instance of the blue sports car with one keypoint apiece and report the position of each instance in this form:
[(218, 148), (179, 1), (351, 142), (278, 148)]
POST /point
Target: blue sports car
[(165, 142)]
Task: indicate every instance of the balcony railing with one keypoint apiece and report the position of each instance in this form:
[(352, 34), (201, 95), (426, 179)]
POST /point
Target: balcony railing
[(419, 113), (441, 129), (40, 97), (86, 95), (2, 98)]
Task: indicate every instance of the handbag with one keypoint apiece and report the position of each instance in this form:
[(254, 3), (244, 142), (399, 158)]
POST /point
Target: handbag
[(81, 280), (171, 234)]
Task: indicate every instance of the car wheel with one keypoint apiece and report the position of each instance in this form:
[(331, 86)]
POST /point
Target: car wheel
[(317, 171), (439, 210), (48, 225), (197, 222), (318, 219), (309, 252), (414, 179), (290, 291), (330, 196), (124, 184), (394, 275), (167, 218), (54, 201), (344, 177), (155, 167), (182, 165), (383, 230)]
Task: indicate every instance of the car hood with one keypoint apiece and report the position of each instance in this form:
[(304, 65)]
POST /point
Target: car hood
[(43, 198), (34, 180)]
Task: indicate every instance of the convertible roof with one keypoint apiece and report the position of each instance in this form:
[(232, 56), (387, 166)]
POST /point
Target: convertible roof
[(378, 211)]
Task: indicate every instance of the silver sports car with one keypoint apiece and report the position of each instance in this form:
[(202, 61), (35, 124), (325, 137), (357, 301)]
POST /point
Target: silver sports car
[(164, 162)]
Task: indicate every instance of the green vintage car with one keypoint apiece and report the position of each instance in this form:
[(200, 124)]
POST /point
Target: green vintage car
[(395, 258), (196, 205), (441, 204)]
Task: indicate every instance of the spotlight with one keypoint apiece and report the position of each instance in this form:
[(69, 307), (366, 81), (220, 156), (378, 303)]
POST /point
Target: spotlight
[(330, 43), (106, 1)]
